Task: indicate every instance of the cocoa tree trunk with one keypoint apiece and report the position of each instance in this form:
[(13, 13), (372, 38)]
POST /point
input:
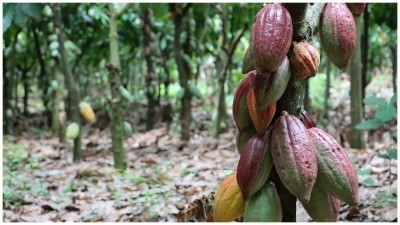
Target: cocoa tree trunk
[(72, 86), (356, 111), (327, 87), (305, 18), (364, 52), (114, 68), (394, 67)]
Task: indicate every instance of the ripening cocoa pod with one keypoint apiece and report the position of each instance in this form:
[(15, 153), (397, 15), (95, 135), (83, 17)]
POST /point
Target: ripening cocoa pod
[(87, 112), (307, 120), (72, 131), (270, 88), (263, 206), (338, 35), (356, 8), (248, 64), (271, 36), (336, 173), (242, 137), (239, 109), (228, 202), (322, 207), (304, 61), (294, 156), (261, 119), (254, 165)]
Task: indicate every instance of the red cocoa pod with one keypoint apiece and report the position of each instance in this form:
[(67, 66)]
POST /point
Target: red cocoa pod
[(261, 119), (337, 31), (305, 59), (307, 120), (239, 110), (356, 8), (271, 36), (254, 165), (322, 207), (270, 88), (294, 156), (248, 64), (336, 173), (242, 137)]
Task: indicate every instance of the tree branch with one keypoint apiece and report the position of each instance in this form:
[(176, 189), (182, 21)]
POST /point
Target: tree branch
[(121, 10), (186, 9)]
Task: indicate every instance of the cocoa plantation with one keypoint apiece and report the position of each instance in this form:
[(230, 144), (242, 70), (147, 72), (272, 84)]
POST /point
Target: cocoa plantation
[(199, 112)]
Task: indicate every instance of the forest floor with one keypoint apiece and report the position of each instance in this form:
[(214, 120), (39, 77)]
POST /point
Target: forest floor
[(164, 175)]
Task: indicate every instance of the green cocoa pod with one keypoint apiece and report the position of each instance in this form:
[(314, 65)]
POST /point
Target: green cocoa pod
[(294, 156), (254, 165), (248, 64), (72, 131), (242, 137), (263, 206), (337, 31), (322, 207), (239, 109), (127, 128), (336, 173), (269, 88)]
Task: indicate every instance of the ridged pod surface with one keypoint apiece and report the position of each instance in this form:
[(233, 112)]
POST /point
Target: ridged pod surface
[(270, 88), (304, 61), (261, 119), (271, 36), (263, 206), (322, 207), (356, 8), (248, 64), (228, 203), (242, 137), (307, 120), (294, 156), (338, 33), (254, 165), (239, 109), (336, 173)]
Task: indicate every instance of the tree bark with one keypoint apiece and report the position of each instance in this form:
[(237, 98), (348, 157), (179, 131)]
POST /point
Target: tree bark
[(73, 88), (186, 109), (364, 52), (114, 68), (356, 137), (148, 41), (305, 17), (327, 88), (394, 67)]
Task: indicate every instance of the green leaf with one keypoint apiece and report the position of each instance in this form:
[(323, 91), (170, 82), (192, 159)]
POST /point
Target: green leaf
[(32, 10), (373, 100), (387, 197), (369, 124), (195, 91), (364, 171), (393, 100), (383, 156), (8, 16), (386, 113), (392, 153), (368, 181)]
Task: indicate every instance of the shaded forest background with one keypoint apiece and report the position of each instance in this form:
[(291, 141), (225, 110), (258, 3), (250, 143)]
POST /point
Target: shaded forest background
[(161, 79)]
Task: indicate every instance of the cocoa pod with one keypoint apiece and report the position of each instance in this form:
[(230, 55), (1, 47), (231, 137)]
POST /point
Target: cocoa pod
[(271, 36), (356, 8), (263, 206), (248, 64), (322, 207), (239, 109), (254, 165), (337, 31), (336, 173), (228, 203), (87, 112), (294, 156), (270, 88), (307, 120), (261, 119), (305, 59), (242, 137)]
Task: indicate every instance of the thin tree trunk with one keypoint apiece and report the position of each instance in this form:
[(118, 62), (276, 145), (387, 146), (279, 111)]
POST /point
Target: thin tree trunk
[(148, 41), (394, 67), (116, 104), (364, 52), (327, 88), (25, 81), (356, 137), (307, 96), (72, 86), (186, 109)]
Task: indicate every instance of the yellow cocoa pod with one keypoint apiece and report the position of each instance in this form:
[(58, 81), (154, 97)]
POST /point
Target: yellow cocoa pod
[(87, 112), (229, 202)]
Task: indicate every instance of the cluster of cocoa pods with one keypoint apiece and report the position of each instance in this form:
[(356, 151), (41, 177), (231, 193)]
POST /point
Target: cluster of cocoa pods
[(310, 163)]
